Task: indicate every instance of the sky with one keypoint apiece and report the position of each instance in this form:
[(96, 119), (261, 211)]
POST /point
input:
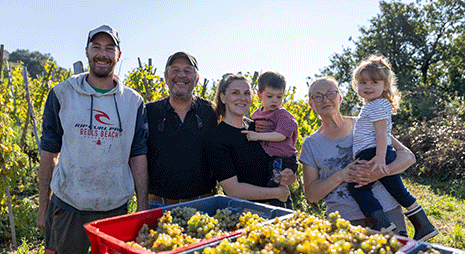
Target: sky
[(294, 38)]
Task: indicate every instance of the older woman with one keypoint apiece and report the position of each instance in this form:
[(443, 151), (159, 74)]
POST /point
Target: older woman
[(241, 166), (328, 165)]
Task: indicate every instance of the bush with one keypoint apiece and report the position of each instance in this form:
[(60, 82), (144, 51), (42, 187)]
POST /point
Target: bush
[(438, 144)]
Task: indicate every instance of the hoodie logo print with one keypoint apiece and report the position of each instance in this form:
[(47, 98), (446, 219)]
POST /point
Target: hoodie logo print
[(101, 115)]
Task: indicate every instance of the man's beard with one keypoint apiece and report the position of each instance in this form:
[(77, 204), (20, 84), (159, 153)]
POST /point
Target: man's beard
[(180, 94), (101, 73)]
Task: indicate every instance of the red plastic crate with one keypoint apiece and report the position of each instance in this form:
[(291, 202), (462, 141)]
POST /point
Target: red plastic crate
[(110, 235), (407, 242)]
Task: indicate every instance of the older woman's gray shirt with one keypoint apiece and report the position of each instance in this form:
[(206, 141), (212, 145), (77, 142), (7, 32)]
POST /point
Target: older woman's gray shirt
[(330, 156)]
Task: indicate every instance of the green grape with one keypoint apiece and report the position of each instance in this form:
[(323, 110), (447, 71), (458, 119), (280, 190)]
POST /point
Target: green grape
[(301, 233), (429, 250), (304, 233), (184, 225)]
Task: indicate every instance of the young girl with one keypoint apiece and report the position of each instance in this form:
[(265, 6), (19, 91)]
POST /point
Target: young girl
[(374, 82)]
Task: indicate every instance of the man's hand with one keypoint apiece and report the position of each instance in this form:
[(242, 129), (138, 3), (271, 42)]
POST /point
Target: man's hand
[(41, 216), (48, 161)]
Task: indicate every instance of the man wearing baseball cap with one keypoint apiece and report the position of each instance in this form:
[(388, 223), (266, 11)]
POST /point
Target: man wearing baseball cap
[(97, 127), (178, 125)]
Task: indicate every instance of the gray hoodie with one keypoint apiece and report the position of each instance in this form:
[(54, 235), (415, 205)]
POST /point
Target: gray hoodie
[(95, 134)]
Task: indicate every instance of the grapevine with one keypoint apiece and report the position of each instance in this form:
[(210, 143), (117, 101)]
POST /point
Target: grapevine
[(12, 159)]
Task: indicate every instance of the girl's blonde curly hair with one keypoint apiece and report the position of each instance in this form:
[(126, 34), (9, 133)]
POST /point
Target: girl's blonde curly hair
[(377, 67)]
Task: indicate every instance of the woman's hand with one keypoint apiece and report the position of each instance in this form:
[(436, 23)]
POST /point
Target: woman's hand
[(349, 173), (287, 177), (361, 172)]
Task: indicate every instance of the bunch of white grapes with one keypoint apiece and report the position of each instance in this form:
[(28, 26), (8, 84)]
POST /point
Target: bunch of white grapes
[(304, 233), (184, 225)]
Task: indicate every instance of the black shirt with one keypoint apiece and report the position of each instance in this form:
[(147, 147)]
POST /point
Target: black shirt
[(175, 166), (229, 154)]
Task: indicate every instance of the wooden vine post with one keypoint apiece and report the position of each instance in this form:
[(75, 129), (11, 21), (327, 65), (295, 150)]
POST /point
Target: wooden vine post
[(78, 67), (30, 108), (11, 217), (1, 66), (144, 80), (204, 88)]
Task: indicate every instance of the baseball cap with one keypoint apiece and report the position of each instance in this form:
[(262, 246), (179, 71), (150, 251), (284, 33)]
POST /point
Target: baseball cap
[(104, 29), (184, 55)]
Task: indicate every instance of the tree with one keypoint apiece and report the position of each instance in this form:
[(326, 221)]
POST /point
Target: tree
[(424, 42), (455, 66), (341, 69), (35, 61)]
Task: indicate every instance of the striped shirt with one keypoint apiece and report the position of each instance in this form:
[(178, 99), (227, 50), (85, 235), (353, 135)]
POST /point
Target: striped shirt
[(364, 131)]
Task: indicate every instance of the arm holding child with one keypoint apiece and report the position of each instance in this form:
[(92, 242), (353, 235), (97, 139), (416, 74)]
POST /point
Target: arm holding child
[(405, 158), (287, 175)]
